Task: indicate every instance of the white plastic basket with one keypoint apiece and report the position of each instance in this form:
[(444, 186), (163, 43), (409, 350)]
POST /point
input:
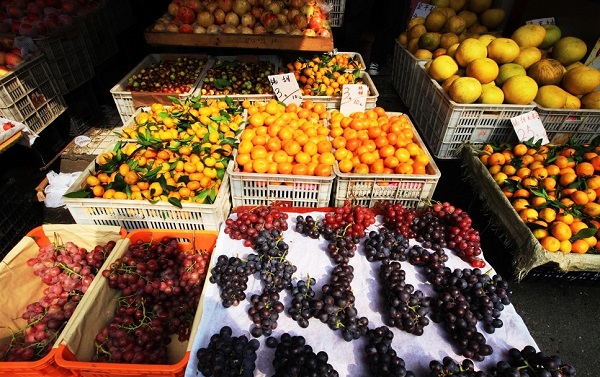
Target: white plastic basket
[(562, 124), (410, 190), (336, 15), (405, 69), (140, 214), (446, 125), (334, 102), (125, 100), (287, 190)]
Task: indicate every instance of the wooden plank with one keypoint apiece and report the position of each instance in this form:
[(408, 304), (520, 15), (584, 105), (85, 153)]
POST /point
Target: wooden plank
[(10, 141), (251, 41)]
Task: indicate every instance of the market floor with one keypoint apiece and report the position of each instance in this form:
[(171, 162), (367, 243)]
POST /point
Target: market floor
[(561, 316)]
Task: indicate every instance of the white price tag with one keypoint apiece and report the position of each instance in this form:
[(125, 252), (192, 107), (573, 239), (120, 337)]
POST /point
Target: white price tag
[(354, 98), (82, 140), (542, 21), (286, 88), (528, 126), (422, 10)]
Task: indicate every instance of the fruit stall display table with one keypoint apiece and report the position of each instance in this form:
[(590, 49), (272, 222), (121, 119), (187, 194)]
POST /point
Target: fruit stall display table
[(252, 41), (4, 145), (347, 358)]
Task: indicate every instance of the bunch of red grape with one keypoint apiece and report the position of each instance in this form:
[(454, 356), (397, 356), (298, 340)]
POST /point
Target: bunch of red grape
[(160, 290), (68, 270), (249, 224), (353, 219), (399, 219)]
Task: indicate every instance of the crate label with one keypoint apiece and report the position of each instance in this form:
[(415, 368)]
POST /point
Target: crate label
[(286, 88), (354, 98), (482, 135), (529, 126), (542, 21), (422, 10)]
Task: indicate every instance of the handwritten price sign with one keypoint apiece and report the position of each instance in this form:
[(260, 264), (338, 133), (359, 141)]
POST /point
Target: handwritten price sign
[(542, 21), (529, 126), (422, 10), (286, 88), (354, 98)]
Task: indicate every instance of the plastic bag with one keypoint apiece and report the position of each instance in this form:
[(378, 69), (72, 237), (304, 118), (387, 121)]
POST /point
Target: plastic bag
[(58, 184)]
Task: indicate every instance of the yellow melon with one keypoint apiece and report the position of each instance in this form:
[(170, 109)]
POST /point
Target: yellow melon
[(465, 90), (507, 71), (528, 56), (572, 102), (551, 96), (581, 80), (478, 6), (529, 35), (547, 72), (469, 17), (491, 95), (442, 67), (469, 50), (446, 84), (430, 40), (519, 90), (591, 100), (448, 39), (435, 20), (553, 34), (492, 18), (455, 24), (485, 70), (569, 50), (503, 50)]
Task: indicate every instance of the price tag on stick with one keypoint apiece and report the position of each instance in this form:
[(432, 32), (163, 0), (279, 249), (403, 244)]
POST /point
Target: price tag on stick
[(286, 88), (354, 98), (529, 126)]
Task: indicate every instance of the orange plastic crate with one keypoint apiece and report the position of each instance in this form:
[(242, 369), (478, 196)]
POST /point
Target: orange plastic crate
[(68, 356), (45, 366)]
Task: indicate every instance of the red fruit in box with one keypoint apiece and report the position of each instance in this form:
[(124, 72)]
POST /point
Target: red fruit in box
[(172, 9), (16, 51), (12, 60), (185, 28), (14, 11), (185, 15), (193, 5), (27, 30)]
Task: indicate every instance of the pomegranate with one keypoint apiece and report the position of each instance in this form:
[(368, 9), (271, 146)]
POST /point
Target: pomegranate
[(172, 28), (257, 12), (307, 10), (246, 30), (40, 26), (241, 6), (213, 29), (279, 30), (226, 5), (69, 6), (229, 29), (205, 19), (173, 9), (309, 33), (159, 26), (34, 7), (282, 19), (269, 20), (211, 7), (292, 13), (232, 19), (315, 23), (274, 7), (34, 16), (185, 28), (259, 29), (14, 11), (219, 16), (300, 21), (297, 4), (296, 32), (252, 2), (194, 5), (199, 29), (325, 33), (248, 20), (185, 15)]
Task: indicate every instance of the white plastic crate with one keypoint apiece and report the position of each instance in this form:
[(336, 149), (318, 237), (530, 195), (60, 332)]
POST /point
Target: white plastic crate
[(405, 69), (336, 15), (335, 101), (127, 102), (139, 214), (287, 190), (446, 125), (562, 124), (240, 97), (410, 190)]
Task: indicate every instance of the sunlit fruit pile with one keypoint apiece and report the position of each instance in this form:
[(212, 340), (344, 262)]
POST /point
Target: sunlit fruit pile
[(237, 77), (324, 75), (375, 142), (554, 189), (167, 76), (180, 155), (281, 139)]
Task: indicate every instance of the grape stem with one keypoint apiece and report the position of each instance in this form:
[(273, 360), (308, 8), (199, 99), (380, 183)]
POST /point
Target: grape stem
[(68, 270)]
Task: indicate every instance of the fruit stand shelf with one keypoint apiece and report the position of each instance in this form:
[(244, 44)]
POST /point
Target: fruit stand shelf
[(250, 41), (10, 141)]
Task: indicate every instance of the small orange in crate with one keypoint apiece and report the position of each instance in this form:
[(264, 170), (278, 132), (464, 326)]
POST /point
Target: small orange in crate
[(138, 309)]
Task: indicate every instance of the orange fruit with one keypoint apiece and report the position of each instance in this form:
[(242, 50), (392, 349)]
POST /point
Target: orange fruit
[(519, 150), (323, 170), (580, 246), (324, 146), (391, 161), (593, 182), (327, 158), (284, 167), (584, 169), (418, 168), (258, 152), (300, 169), (496, 159), (547, 214), (550, 243), (528, 215), (292, 147), (404, 168), (595, 161), (345, 166), (560, 230), (361, 169), (579, 197), (567, 178), (377, 167)]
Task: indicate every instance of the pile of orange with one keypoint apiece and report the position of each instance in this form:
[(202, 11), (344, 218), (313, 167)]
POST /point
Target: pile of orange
[(373, 142), (324, 75), (281, 139), (554, 189)]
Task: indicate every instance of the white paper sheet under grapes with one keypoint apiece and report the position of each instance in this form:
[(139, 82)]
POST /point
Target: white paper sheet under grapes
[(348, 358)]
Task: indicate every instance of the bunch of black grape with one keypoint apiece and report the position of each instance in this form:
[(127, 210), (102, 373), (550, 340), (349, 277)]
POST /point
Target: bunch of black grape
[(487, 295), (250, 223), (385, 245), (231, 276), (406, 308), (228, 355), (431, 262), (293, 357), (308, 226), (302, 293), (452, 308), (67, 271), (264, 313), (399, 219), (160, 288), (336, 307), (430, 231), (275, 271), (381, 357), (270, 244), (450, 367), (531, 363)]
